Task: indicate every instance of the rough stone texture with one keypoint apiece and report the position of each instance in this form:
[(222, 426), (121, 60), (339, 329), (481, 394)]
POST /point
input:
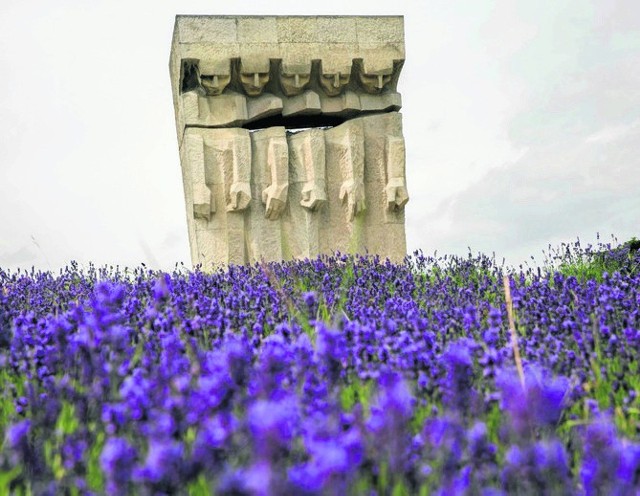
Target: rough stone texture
[(275, 193), (305, 104)]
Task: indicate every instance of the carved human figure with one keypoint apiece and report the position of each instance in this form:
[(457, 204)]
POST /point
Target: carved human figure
[(348, 139), (269, 186), (396, 189), (308, 193), (307, 149), (346, 183), (203, 204), (234, 157), (217, 168), (253, 78), (374, 82), (215, 84), (210, 78), (333, 80), (294, 78), (204, 102), (274, 196)]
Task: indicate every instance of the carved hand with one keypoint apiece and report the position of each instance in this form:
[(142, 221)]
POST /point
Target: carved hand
[(314, 195), (202, 206), (240, 194), (275, 198), (353, 193), (396, 193)]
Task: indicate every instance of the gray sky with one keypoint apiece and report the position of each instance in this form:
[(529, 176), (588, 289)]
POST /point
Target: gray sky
[(522, 122)]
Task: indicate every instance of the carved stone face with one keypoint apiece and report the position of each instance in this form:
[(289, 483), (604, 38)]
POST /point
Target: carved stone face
[(215, 85), (373, 83), (332, 84), (254, 82), (294, 84)]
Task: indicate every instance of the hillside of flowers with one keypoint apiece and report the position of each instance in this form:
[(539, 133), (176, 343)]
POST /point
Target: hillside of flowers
[(335, 376)]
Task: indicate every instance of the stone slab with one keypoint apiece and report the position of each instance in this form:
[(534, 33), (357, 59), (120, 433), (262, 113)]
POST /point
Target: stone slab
[(270, 193)]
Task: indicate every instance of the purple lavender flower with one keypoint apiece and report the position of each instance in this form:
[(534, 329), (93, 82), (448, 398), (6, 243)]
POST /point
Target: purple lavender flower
[(629, 469), (332, 460), (273, 363), (117, 461), (272, 424), (444, 439), (390, 416), (541, 468), (17, 434), (209, 379), (238, 358), (135, 391), (162, 288), (310, 299), (480, 449), (492, 334), (213, 441), (538, 404), (164, 465), (256, 480), (74, 451), (331, 348), (336, 449), (457, 384), (609, 466), (306, 479)]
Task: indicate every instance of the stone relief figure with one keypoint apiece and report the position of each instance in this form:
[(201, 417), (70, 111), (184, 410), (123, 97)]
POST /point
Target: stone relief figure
[(274, 196), (218, 161), (234, 159), (290, 137), (348, 141), (214, 77), (254, 75), (294, 78), (203, 207), (374, 82), (333, 80), (205, 101), (270, 186), (396, 190), (308, 193), (215, 84), (307, 151)]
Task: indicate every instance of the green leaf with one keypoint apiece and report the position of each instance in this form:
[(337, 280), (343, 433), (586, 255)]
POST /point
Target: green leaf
[(7, 477), (67, 421), (95, 478), (399, 489), (199, 487)]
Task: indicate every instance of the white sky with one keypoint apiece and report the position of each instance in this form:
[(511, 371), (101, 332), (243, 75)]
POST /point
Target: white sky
[(522, 122)]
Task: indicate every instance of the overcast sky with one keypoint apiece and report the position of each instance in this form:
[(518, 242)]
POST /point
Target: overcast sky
[(522, 122)]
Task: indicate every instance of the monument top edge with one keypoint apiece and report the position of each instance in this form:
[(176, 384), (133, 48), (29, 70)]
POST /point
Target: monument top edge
[(294, 16), (243, 29)]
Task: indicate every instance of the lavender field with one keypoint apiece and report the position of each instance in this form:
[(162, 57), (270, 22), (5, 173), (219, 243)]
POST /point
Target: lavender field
[(341, 375)]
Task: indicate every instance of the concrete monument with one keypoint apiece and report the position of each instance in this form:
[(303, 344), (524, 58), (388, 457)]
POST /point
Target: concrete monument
[(290, 137)]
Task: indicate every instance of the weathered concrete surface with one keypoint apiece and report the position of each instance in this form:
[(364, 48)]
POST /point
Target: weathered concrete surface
[(274, 193)]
